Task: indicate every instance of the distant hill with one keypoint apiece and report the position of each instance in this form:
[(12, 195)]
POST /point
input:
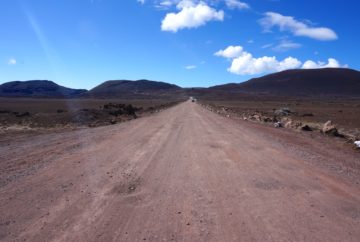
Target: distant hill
[(37, 88), (328, 81), (134, 89), (331, 82)]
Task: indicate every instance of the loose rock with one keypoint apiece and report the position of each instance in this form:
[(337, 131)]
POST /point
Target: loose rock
[(330, 129), (293, 124), (283, 112), (278, 125), (306, 128)]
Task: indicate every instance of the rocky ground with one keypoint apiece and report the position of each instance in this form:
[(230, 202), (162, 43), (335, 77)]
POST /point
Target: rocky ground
[(17, 115), (295, 118)]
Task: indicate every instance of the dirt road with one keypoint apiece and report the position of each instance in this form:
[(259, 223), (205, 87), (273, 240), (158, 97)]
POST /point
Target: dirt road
[(184, 174)]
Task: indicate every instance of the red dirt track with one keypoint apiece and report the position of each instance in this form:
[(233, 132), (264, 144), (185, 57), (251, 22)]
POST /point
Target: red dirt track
[(184, 174)]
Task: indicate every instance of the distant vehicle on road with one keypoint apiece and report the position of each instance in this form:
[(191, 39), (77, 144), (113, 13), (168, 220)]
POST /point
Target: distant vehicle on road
[(193, 99)]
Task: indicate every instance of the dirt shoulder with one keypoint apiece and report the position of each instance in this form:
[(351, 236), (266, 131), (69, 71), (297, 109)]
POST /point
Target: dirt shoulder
[(337, 119)]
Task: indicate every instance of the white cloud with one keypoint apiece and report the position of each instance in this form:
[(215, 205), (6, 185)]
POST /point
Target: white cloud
[(186, 3), (191, 15), (288, 23), (231, 4), (12, 61), (236, 4), (166, 3), (332, 63), (230, 52), (190, 67), (286, 45), (141, 1), (244, 63)]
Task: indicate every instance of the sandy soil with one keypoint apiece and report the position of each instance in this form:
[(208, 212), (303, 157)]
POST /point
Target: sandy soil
[(185, 174)]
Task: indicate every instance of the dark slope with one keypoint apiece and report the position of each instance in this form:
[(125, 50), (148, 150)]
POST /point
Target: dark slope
[(134, 89), (329, 81), (37, 88)]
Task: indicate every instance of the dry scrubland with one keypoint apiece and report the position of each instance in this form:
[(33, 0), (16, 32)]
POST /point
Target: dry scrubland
[(31, 114)]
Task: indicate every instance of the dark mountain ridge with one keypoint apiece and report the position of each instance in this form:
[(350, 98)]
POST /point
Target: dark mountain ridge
[(37, 88), (327, 81), (314, 82), (139, 88), (134, 86)]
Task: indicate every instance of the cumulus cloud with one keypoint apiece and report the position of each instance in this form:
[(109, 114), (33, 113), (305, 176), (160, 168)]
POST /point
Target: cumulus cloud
[(12, 61), (230, 52), (190, 15), (244, 63), (332, 63), (232, 4), (288, 23), (190, 67)]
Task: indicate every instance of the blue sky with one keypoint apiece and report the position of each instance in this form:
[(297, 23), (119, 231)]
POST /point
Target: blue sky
[(186, 42)]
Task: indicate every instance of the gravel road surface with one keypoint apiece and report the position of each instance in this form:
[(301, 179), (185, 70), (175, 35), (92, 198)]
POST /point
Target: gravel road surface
[(184, 174)]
